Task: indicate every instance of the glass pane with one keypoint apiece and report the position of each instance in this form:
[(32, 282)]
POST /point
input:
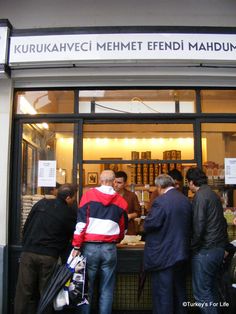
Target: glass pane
[(137, 101), (218, 142), (35, 102), (45, 142), (146, 145), (218, 101)]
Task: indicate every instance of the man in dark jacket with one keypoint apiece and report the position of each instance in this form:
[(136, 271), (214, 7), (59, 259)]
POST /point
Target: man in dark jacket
[(46, 234), (168, 233), (209, 240)]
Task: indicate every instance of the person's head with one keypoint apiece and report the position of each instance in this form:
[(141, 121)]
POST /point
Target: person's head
[(196, 177), (164, 181), (178, 178), (107, 177), (54, 190), (67, 193), (120, 181)]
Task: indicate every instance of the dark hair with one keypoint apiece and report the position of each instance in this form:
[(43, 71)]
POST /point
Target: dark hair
[(58, 185), (121, 174), (176, 175), (197, 176), (66, 190)]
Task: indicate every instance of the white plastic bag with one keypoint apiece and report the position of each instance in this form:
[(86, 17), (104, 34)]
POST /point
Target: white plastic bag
[(61, 299)]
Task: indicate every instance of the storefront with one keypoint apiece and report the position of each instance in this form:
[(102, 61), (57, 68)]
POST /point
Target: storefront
[(144, 102)]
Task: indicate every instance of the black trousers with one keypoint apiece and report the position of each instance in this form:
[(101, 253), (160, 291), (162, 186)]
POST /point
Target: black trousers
[(169, 290), (34, 272)]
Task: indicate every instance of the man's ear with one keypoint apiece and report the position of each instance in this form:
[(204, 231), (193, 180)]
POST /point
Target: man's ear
[(68, 198)]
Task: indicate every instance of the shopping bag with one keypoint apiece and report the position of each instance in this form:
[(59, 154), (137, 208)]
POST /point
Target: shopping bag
[(75, 292), (57, 281), (78, 288), (62, 299)]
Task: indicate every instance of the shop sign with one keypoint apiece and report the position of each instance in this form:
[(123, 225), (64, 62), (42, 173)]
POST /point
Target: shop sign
[(122, 47), (230, 170), (3, 44), (47, 173)]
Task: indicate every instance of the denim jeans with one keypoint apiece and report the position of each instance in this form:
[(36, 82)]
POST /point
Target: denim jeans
[(101, 262), (206, 266)]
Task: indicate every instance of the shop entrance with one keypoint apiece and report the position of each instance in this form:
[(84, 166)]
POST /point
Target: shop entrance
[(143, 132)]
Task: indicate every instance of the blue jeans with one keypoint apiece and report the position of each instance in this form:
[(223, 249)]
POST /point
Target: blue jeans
[(206, 266), (101, 261)]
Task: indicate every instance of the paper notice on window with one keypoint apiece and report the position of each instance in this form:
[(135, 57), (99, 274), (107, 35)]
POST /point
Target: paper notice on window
[(230, 170), (47, 173)]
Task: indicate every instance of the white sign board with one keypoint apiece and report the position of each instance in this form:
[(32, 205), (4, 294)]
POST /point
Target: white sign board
[(230, 170), (47, 173), (3, 44), (97, 47)]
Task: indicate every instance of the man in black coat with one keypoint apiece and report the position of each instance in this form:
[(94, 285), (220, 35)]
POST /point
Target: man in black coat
[(168, 233), (46, 235), (209, 241)]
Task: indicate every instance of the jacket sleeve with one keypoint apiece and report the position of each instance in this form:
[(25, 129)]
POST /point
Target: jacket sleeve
[(199, 220), (39, 206), (82, 223), (155, 217), (137, 207)]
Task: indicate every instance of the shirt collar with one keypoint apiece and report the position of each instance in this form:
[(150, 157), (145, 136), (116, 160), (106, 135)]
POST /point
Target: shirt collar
[(168, 189)]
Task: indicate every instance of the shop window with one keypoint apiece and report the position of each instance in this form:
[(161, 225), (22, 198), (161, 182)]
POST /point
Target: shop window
[(218, 143), (141, 150), (218, 101), (137, 101), (47, 159), (44, 102)]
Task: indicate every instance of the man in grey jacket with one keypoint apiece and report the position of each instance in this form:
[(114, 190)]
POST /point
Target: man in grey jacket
[(209, 240)]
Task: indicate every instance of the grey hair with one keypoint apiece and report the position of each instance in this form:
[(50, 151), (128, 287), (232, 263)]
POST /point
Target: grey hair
[(164, 181), (107, 176)]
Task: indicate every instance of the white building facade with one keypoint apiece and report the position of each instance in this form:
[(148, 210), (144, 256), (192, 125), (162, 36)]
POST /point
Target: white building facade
[(98, 45)]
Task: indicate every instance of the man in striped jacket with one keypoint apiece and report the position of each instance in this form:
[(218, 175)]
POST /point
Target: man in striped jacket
[(101, 223)]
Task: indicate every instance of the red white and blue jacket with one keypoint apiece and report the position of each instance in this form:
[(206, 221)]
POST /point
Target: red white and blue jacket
[(102, 217)]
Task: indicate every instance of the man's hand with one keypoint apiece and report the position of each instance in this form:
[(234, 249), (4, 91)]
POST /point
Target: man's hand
[(75, 252), (226, 254)]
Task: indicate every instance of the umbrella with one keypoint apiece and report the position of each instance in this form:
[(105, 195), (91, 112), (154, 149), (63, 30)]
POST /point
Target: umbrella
[(58, 279), (141, 281)]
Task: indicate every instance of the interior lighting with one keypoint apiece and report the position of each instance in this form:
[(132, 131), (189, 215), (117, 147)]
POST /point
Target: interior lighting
[(154, 141), (181, 141), (45, 125), (126, 141), (133, 141), (102, 141), (42, 126)]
